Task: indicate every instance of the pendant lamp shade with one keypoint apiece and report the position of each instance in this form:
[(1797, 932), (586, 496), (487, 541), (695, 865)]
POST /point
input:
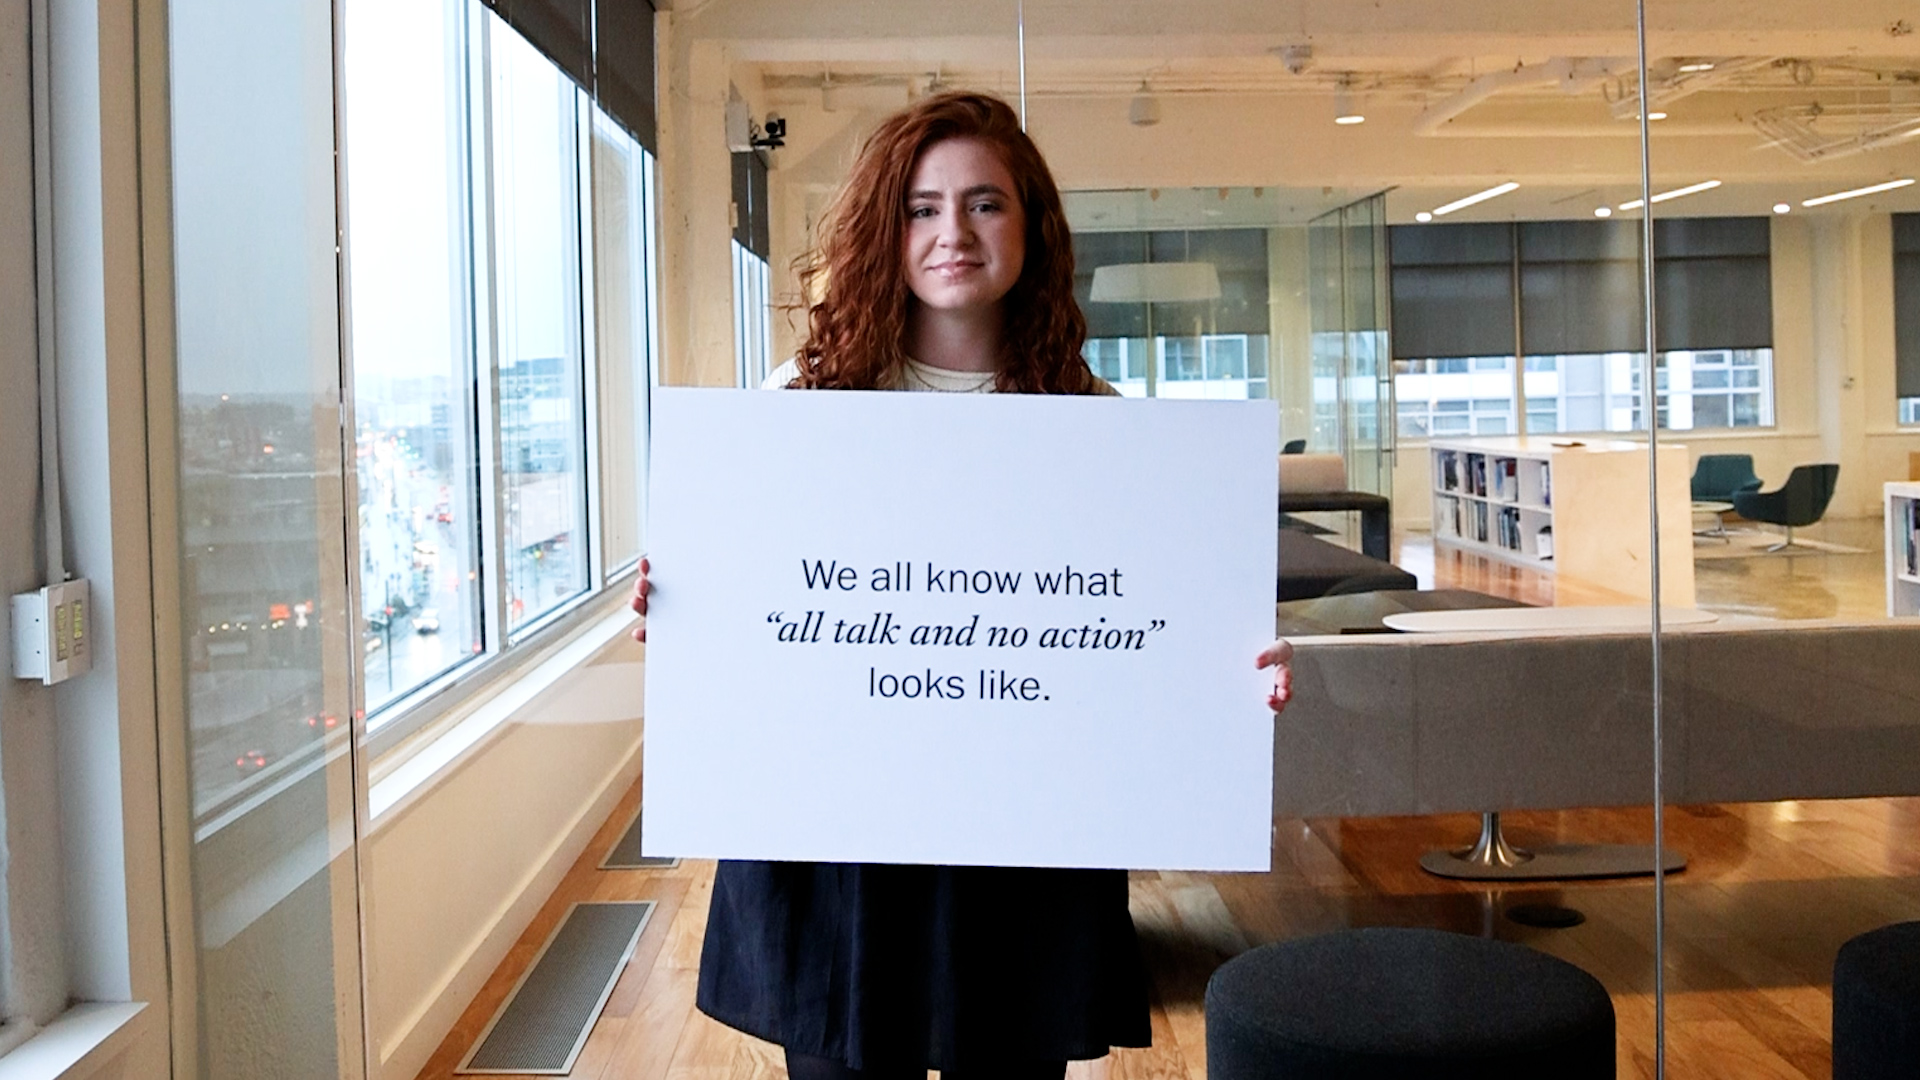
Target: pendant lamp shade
[(1155, 283)]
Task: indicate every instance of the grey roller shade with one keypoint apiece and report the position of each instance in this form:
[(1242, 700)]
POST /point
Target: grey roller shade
[(605, 46), (1580, 287), (623, 68), (1713, 283), (561, 29), (1452, 290), (751, 226), (1906, 304)]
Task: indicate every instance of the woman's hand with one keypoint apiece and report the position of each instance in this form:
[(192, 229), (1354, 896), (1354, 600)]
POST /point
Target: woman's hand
[(1278, 656), (639, 602)]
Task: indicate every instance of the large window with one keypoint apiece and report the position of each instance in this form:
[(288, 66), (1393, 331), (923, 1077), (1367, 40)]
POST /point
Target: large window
[(537, 312), (500, 317), (624, 287), (1576, 286), (409, 258)]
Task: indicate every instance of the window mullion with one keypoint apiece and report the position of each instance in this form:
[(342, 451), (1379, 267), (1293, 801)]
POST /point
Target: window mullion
[(486, 354), (588, 316)]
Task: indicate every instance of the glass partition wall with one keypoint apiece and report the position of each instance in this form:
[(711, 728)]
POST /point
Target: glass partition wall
[(1425, 245), (262, 648), (1793, 723)]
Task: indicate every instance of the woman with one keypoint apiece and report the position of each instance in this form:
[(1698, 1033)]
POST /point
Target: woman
[(946, 265)]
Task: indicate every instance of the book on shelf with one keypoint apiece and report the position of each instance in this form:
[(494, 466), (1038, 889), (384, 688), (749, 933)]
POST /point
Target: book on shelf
[(1480, 522), (1543, 542), (1506, 479), (1913, 535), (1449, 469), (1477, 475), (1507, 528), (1546, 483)]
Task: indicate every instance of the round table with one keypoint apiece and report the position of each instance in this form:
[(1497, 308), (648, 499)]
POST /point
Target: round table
[(1719, 526)]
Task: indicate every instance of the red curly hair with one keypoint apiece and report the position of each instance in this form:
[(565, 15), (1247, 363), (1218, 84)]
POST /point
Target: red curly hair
[(856, 330)]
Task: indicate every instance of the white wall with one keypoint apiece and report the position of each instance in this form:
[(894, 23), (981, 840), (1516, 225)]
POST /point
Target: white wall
[(454, 874)]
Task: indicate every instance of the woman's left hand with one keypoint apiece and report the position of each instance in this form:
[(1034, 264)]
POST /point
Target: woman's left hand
[(1279, 657)]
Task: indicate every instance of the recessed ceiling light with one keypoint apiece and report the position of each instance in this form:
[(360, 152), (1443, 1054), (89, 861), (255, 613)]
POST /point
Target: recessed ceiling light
[(1423, 217), (1493, 192), (1781, 208), (1857, 192), (1345, 111), (1690, 189), (1699, 66), (1603, 211), (1656, 116)]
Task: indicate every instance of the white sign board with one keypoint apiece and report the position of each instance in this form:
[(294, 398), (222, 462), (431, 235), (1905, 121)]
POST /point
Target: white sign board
[(982, 629)]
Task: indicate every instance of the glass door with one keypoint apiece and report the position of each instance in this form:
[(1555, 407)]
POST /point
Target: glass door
[(1352, 372)]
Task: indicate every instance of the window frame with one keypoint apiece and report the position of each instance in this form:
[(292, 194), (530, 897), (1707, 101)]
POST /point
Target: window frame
[(399, 727)]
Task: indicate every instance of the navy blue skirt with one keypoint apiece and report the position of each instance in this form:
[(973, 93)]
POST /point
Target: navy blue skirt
[(934, 966)]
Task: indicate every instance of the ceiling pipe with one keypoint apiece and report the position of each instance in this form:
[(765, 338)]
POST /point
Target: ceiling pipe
[(1570, 74)]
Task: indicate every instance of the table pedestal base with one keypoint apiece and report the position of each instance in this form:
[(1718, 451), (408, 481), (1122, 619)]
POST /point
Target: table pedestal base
[(1491, 858)]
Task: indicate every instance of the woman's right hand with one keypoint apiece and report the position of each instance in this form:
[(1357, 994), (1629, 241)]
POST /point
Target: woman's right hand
[(639, 601)]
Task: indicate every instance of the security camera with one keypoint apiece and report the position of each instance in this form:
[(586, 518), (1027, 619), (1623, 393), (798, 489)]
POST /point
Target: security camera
[(1295, 58), (773, 136)]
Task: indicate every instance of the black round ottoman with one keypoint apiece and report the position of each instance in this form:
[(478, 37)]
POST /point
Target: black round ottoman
[(1876, 1005), (1405, 1003)]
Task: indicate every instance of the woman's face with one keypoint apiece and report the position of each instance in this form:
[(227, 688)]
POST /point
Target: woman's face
[(966, 236)]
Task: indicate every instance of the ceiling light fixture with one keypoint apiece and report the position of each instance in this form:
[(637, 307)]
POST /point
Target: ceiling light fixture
[(1690, 189), (1477, 197), (1857, 192), (1345, 112), (1781, 208), (1656, 116), (1603, 211), (1145, 110), (1697, 66), (1423, 217)]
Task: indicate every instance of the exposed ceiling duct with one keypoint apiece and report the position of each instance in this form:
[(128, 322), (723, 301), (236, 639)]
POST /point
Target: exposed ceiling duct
[(1571, 75), (1814, 132), (1681, 79)]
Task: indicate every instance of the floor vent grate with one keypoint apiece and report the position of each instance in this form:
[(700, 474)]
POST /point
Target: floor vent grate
[(542, 1025), (625, 854)]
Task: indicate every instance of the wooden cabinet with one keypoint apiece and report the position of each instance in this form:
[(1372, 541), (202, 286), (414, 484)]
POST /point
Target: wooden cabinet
[(1574, 507)]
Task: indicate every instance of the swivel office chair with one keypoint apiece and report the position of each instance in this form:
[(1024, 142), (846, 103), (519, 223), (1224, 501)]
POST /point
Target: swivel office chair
[(1802, 500)]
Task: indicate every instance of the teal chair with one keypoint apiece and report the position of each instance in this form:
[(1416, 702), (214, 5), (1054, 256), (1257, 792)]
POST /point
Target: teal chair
[(1802, 500), (1716, 477)]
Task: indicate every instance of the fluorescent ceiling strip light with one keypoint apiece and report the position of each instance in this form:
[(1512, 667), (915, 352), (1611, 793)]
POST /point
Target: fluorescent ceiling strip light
[(1857, 192), (1690, 189), (1478, 197)]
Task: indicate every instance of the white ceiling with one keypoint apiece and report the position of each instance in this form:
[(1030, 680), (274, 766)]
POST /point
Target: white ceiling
[(1791, 79)]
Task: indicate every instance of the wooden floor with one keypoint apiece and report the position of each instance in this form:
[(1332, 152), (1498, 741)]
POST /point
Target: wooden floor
[(1770, 892)]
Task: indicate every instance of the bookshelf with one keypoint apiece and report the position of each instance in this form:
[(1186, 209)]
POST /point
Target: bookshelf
[(1578, 510), (1903, 548)]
